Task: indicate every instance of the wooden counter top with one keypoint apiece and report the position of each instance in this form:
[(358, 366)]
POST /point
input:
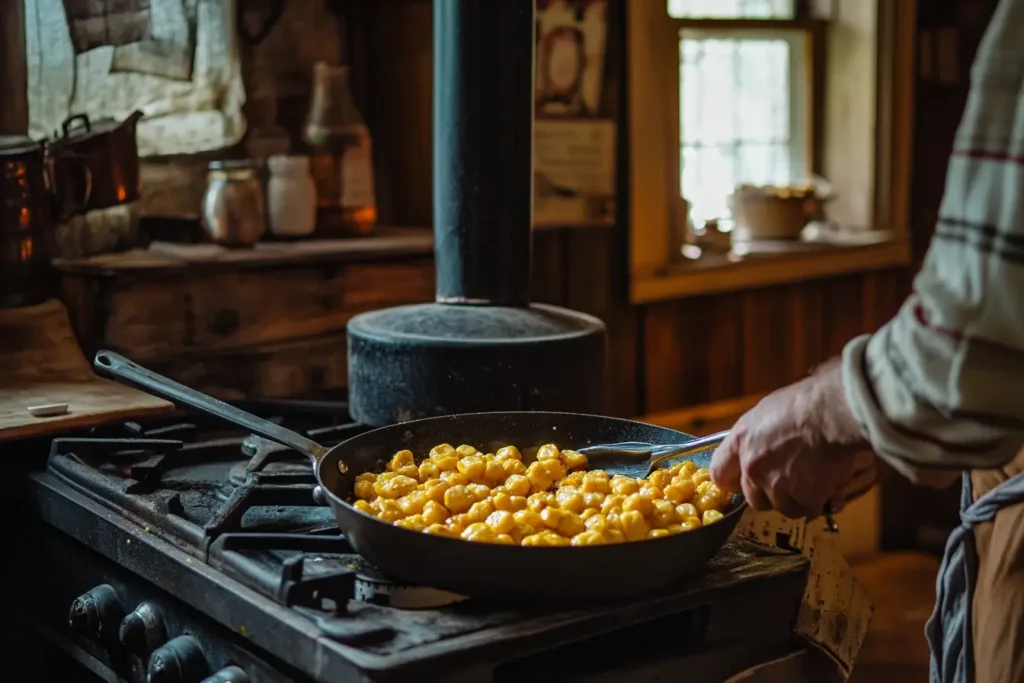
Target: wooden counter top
[(42, 364)]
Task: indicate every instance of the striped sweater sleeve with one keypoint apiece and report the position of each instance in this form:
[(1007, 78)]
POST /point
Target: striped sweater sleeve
[(942, 384)]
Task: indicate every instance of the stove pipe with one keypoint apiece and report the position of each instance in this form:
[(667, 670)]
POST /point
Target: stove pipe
[(483, 150), (482, 346)]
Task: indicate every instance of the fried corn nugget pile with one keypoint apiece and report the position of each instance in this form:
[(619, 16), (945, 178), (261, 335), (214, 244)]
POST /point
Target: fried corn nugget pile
[(551, 501)]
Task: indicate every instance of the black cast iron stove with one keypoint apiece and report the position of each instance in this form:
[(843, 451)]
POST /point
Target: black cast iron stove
[(482, 346)]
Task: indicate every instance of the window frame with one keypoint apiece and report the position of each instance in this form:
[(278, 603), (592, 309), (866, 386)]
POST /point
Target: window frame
[(652, 117)]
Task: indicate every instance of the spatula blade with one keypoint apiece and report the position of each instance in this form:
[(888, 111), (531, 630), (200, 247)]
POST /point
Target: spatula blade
[(629, 459)]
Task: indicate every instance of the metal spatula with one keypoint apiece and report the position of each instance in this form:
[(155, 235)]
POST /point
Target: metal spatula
[(638, 459)]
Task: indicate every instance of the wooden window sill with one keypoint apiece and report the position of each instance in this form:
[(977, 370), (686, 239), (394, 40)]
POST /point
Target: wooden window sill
[(719, 272)]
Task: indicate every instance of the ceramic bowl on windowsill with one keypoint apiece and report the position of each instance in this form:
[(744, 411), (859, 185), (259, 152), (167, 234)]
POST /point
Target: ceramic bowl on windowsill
[(775, 213)]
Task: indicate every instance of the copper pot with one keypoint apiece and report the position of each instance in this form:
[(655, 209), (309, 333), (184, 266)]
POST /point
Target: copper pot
[(36, 191), (110, 152)]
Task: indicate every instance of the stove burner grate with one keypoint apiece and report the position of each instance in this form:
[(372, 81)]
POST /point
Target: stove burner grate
[(244, 505), (318, 570)]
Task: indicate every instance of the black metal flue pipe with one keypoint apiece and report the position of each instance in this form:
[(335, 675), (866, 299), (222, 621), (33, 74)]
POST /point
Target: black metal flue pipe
[(483, 150), (482, 346)]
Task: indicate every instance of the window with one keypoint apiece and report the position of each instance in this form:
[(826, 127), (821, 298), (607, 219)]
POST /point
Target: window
[(741, 111), (697, 72), (745, 77)]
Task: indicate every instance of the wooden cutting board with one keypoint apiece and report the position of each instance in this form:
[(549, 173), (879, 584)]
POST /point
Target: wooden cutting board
[(41, 363)]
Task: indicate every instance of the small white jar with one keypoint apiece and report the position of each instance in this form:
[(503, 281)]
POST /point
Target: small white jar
[(291, 196)]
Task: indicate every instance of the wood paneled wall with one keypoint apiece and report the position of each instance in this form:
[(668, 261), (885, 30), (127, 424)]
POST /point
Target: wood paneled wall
[(582, 270), (716, 347), (701, 350)]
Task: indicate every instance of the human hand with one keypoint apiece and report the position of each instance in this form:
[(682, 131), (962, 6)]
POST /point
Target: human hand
[(794, 451)]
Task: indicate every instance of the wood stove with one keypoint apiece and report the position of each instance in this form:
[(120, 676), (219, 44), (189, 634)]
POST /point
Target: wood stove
[(482, 346)]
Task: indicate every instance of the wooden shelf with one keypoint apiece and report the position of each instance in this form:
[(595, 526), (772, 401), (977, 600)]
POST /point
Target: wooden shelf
[(387, 243)]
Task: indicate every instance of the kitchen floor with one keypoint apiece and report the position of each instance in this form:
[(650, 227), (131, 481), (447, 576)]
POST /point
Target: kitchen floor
[(903, 586)]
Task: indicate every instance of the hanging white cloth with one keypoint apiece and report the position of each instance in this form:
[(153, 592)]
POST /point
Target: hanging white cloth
[(185, 76)]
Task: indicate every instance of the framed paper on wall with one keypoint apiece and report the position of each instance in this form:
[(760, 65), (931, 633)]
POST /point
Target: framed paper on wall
[(574, 146)]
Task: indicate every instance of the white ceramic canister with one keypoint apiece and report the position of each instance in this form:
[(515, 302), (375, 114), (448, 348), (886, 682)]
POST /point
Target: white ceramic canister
[(291, 196)]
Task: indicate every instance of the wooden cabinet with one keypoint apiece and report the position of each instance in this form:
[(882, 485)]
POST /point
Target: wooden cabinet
[(267, 322)]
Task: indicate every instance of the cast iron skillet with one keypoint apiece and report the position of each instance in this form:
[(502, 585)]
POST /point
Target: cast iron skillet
[(475, 569)]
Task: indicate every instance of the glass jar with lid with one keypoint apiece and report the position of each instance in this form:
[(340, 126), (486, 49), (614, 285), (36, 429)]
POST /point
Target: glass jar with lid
[(233, 206)]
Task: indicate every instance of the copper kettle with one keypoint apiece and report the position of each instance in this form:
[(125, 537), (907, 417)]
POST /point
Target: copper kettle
[(110, 152)]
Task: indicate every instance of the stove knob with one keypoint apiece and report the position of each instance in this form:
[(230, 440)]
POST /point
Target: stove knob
[(179, 660), (142, 631), (96, 614), (231, 674)]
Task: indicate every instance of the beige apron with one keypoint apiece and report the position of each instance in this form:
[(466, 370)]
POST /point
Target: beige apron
[(998, 605)]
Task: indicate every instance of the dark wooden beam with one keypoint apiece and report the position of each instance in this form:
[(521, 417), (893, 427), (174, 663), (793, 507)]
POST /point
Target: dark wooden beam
[(13, 70)]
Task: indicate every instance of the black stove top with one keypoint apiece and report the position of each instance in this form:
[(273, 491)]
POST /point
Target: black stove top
[(240, 503), (227, 524)]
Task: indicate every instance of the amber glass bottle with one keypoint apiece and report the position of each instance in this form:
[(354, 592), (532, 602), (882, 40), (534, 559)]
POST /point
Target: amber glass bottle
[(341, 155)]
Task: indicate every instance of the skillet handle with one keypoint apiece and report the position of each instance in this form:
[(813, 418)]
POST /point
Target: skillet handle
[(125, 371)]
